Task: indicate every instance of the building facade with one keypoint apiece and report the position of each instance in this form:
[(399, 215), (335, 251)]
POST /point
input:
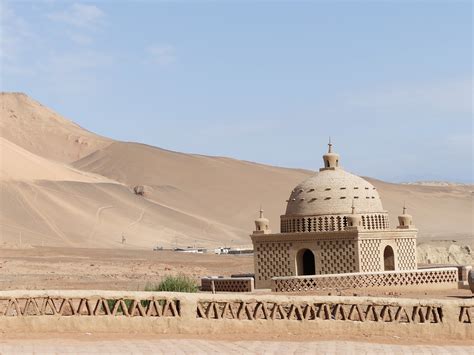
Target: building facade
[(334, 223)]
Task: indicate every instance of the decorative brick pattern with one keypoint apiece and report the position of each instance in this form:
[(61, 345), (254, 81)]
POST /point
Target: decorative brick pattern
[(369, 251), (272, 259), (258, 310), (406, 253), (337, 256), (94, 306), (363, 280), (330, 223), (228, 284)]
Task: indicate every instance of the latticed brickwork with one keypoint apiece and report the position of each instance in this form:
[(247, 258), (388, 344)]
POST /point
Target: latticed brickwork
[(89, 306), (337, 256), (406, 253), (227, 284), (447, 276), (369, 251), (330, 223), (327, 311), (272, 259)]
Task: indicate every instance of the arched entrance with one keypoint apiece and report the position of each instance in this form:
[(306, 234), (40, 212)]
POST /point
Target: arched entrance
[(305, 263), (388, 259)]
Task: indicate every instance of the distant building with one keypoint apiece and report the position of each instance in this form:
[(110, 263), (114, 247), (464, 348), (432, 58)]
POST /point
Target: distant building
[(334, 223), (221, 250), (191, 250)]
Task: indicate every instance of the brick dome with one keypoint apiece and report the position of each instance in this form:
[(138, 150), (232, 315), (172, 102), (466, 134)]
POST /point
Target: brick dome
[(323, 202), (332, 192)]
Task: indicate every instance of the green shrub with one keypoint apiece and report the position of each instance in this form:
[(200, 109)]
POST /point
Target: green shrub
[(179, 283), (111, 304)]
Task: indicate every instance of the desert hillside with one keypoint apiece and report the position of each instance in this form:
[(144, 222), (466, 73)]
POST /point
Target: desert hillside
[(30, 125), (82, 194)]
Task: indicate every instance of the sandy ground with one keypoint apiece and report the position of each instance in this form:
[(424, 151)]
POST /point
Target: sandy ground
[(216, 343), (108, 269), (203, 346), (129, 269)]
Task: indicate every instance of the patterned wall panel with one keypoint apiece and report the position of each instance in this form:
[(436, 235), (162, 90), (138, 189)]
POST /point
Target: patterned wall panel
[(272, 259), (336, 256), (330, 223), (369, 251), (415, 278), (406, 253)]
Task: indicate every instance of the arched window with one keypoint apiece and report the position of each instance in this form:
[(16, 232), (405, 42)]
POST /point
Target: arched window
[(305, 263), (388, 259)]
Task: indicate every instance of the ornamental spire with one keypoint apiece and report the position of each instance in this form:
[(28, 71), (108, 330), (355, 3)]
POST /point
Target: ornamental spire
[(331, 160)]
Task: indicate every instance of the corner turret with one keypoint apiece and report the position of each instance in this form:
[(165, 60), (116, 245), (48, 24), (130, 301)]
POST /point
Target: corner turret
[(405, 221), (262, 225), (353, 220)]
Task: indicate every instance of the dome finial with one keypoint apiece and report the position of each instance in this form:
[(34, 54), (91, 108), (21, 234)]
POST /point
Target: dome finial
[(353, 207), (261, 212), (331, 160), (404, 207)]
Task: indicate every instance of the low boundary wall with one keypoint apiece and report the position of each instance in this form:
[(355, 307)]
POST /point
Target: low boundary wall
[(200, 314), (227, 284), (439, 278)]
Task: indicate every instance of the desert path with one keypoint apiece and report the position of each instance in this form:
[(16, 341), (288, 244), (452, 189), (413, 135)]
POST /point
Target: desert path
[(202, 346)]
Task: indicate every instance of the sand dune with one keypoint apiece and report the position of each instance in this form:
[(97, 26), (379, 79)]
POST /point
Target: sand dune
[(17, 163), (82, 194), (30, 125), (57, 213), (439, 212), (222, 189)]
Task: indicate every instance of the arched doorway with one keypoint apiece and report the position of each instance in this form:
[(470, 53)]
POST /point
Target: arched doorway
[(305, 263), (388, 259)]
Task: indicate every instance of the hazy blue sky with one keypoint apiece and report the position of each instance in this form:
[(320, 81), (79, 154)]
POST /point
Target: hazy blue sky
[(390, 82)]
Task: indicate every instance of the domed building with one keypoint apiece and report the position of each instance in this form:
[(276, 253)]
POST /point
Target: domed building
[(334, 223)]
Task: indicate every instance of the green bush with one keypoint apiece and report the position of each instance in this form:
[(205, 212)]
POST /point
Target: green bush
[(179, 283), (111, 304)]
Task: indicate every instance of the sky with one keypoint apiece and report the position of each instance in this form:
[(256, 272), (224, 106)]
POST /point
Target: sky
[(389, 81)]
